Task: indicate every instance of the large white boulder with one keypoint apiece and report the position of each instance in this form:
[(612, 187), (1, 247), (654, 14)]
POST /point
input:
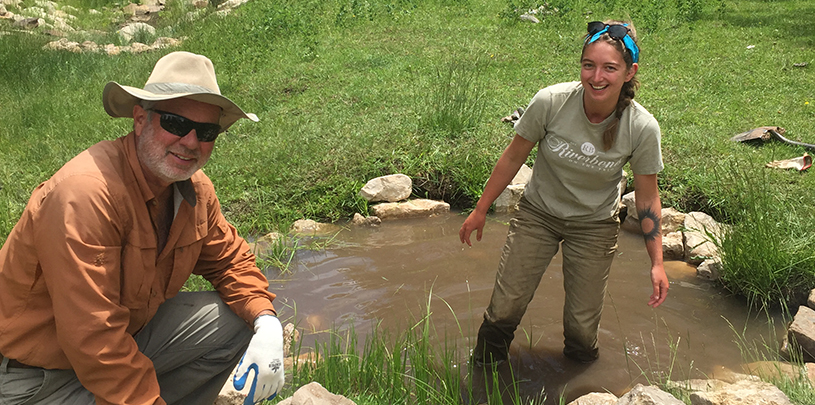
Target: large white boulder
[(312, 227), (673, 246), (709, 269), (391, 188), (128, 32), (410, 209)]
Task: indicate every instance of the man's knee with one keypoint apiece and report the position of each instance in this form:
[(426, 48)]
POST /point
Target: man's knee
[(231, 330), (199, 319)]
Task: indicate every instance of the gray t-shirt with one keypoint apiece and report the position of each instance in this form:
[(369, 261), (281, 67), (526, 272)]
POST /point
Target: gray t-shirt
[(573, 177)]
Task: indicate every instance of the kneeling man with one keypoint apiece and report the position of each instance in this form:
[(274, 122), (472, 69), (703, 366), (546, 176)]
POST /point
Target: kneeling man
[(90, 275)]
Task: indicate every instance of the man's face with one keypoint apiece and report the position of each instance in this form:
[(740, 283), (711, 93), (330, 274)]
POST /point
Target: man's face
[(167, 158)]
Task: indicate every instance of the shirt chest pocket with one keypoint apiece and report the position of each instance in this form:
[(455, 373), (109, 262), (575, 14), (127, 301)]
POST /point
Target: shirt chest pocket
[(138, 272)]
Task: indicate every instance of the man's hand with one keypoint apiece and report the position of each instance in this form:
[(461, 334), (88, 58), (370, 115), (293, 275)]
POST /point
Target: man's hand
[(265, 356)]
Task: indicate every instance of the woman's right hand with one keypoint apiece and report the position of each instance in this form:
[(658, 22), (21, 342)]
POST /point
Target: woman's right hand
[(505, 169), (475, 221)]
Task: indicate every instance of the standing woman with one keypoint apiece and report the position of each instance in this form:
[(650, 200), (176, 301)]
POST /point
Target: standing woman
[(586, 131)]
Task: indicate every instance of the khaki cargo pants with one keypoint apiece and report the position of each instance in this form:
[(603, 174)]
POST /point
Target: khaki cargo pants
[(533, 239), (194, 341)]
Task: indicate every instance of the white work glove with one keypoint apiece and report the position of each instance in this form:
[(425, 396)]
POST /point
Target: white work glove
[(265, 356)]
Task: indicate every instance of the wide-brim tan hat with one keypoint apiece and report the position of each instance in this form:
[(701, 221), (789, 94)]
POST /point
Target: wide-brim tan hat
[(176, 75)]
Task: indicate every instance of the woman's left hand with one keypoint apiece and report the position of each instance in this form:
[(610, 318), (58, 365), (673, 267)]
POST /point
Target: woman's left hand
[(660, 281)]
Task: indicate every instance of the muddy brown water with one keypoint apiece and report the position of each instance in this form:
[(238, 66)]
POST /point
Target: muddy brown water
[(386, 275)]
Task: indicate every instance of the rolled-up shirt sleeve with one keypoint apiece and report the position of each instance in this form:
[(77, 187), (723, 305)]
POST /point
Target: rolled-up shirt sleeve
[(81, 234)]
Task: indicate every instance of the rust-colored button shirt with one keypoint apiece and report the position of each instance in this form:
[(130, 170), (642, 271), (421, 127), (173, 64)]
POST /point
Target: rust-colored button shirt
[(80, 273)]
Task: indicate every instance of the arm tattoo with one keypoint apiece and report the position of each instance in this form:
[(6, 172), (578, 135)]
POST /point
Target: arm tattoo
[(656, 228)]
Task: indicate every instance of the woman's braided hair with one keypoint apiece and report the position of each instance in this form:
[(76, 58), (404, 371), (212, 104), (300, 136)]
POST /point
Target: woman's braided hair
[(629, 88)]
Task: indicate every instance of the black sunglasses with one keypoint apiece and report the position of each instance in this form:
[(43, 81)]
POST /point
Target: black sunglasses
[(616, 31), (181, 126)]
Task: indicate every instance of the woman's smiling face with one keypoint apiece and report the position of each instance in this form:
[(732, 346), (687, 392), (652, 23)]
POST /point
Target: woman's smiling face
[(603, 72)]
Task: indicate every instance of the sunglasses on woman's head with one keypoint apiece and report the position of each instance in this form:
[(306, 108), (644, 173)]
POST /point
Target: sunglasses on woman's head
[(615, 31), (181, 126)]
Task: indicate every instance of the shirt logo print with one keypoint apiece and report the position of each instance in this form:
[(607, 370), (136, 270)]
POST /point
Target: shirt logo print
[(586, 156), (588, 149)]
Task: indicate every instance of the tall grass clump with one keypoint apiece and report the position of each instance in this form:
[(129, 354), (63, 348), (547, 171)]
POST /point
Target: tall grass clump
[(456, 97), (417, 366), (768, 250), (279, 255), (275, 255)]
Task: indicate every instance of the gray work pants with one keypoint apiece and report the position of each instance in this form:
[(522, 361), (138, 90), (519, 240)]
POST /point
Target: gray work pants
[(532, 241), (194, 341)]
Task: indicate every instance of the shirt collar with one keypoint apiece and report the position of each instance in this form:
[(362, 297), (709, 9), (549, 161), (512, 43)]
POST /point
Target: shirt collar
[(187, 190)]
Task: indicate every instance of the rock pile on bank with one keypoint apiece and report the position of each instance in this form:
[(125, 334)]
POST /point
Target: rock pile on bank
[(392, 194), (50, 18)]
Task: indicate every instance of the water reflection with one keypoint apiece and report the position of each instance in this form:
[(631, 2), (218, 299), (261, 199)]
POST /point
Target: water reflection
[(388, 275)]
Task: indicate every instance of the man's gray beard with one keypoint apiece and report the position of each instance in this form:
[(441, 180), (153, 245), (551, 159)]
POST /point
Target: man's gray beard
[(155, 158)]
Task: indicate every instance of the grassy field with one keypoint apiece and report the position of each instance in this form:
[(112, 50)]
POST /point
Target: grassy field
[(348, 90)]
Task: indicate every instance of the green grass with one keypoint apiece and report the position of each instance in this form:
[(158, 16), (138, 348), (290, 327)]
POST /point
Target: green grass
[(455, 102), (346, 91), (417, 366), (197, 283), (768, 251)]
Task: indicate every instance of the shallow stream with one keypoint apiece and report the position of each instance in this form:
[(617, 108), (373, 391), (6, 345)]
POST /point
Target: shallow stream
[(386, 274)]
